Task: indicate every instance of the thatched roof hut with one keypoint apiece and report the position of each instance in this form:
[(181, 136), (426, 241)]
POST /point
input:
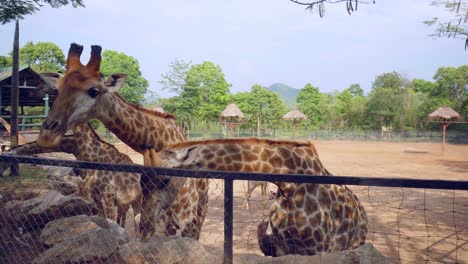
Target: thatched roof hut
[(294, 114), (232, 111), (446, 113)]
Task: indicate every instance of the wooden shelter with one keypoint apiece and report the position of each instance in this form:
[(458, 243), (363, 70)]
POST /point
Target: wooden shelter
[(232, 116), (446, 116), (32, 92), (295, 116)]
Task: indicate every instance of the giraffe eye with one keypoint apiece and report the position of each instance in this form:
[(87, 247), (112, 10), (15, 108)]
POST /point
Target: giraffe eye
[(93, 92)]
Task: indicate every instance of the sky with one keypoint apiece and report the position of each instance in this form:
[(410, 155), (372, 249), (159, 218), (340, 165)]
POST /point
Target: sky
[(254, 41)]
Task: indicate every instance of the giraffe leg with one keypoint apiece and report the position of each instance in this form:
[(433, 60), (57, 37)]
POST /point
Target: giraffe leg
[(250, 188), (146, 158), (152, 156), (265, 194)]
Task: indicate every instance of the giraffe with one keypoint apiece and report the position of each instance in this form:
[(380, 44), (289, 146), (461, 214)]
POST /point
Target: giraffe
[(106, 188), (84, 94), (305, 218), (251, 186)]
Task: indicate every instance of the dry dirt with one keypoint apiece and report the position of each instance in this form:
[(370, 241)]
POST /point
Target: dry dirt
[(414, 225)]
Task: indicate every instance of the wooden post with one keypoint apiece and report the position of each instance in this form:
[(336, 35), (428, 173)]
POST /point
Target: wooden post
[(444, 129), (294, 129), (14, 170)]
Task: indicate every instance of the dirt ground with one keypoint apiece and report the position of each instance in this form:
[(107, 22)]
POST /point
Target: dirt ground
[(414, 225)]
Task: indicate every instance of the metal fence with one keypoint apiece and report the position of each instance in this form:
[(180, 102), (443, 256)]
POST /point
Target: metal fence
[(453, 136), (454, 206)]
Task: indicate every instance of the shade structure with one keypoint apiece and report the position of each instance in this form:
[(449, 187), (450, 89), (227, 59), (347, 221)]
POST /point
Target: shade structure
[(232, 116), (446, 115), (294, 115), (232, 111)]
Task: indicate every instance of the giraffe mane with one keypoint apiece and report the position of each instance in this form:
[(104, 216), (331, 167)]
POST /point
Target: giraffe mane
[(146, 110), (253, 141)]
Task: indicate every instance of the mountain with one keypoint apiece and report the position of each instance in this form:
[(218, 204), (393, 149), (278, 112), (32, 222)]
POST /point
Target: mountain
[(287, 93)]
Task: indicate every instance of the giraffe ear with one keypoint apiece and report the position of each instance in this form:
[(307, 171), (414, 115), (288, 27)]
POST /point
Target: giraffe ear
[(115, 81), (50, 78), (187, 155)]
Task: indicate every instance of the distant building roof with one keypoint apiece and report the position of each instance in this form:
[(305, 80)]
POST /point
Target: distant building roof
[(31, 91), (158, 109)]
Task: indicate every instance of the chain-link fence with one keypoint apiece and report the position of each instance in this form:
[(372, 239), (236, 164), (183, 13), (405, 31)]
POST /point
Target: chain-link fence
[(45, 220)]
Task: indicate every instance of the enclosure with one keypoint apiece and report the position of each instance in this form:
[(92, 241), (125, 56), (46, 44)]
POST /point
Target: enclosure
[(406, 224)]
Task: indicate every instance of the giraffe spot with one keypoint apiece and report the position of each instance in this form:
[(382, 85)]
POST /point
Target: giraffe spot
[(312, 189), (221, 152), (249, 156), (310, 205), (266, 168), (276, 170), (222, 168), (248, 168), (276, 161), (318, 235), (266, 154), (237, 166), (324, 198), (315, 220), (300, 219), (230, 168), (256, 149), (337, 210), (299, 197), (209, 156), (232, 148), (211, 165), (306, 233), (299, 151), (205, 151), (236, 157), (219, 160), (256, 166), (289, 163), (284, 152), (227, 160)]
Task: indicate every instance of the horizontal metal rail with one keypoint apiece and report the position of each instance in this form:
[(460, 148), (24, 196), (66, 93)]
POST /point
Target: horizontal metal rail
[(347, 180)]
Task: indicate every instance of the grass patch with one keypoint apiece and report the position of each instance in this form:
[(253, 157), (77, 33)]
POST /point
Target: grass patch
[(29, 177)]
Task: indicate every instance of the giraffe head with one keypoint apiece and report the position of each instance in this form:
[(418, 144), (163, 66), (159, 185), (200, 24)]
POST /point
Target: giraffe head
[(80, 90)]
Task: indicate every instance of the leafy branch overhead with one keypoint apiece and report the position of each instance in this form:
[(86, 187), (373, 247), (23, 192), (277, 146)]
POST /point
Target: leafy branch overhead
[(453, 26), (351, 5), (11, 10)]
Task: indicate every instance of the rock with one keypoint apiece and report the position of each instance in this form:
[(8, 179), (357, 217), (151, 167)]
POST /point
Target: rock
[(82, 239), (65, 184), (365, 254), (9, 194), (165, 250), (37, 212)]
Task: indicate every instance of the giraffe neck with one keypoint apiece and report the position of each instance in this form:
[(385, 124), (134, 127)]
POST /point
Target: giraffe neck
[(67, 144), (136, 126), (87, 141)]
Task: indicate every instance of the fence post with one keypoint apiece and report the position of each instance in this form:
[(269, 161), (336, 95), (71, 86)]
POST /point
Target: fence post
[(228, 215)]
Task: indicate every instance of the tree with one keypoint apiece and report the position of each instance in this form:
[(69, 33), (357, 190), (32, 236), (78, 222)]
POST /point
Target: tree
[(351, 5), (389, 100), (136, 86), (263, 108), (420, 85), (451, 83), (455, 26), (356, 90), (308, 101), (174, 80), (42, 56), (206, 90), (5, 61), (11, 10), (343, 106)]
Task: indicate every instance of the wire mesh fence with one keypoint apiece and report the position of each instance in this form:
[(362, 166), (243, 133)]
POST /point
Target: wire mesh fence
[(409, 220)]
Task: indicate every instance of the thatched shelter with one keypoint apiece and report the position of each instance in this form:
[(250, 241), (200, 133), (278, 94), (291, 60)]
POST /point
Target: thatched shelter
[(295, 116), (446, 116), (158, 109), (232, 116), (444, 113)]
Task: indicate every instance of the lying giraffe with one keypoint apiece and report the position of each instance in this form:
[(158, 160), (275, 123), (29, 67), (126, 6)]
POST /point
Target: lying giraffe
[(305, 219), (107, 189), (84, 94)]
